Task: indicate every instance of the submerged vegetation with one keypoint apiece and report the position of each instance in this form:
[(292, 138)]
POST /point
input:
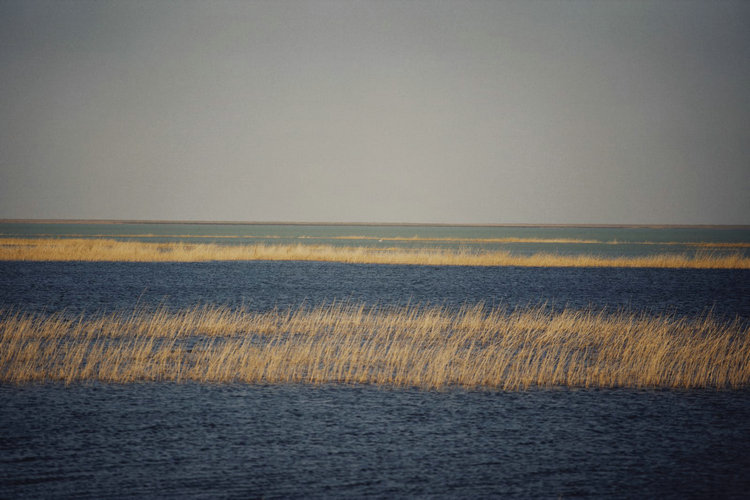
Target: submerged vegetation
[(81, 249), (420, 346)]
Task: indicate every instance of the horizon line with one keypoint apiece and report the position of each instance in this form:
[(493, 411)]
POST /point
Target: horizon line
[(385, 224)]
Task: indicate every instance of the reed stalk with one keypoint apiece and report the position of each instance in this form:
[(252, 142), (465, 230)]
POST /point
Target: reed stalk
[(418, 346)]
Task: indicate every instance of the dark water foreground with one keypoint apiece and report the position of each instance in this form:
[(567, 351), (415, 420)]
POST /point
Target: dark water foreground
[(239, 441), (190, 440)]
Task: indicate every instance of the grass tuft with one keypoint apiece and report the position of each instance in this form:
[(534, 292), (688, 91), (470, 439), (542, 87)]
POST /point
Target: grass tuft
[(419, 346)]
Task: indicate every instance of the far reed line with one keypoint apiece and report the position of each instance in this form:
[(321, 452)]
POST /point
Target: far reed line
[(109, 250)]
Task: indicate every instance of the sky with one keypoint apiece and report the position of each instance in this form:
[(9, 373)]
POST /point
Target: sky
[(490, 112)]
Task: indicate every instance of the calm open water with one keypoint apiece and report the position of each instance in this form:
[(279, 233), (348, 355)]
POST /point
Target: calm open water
[(261, 285), (192, 440), (604, 241)]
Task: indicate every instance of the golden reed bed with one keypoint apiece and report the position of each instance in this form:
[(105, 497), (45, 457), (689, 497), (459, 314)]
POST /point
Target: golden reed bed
[(416, 346), (81, 249)]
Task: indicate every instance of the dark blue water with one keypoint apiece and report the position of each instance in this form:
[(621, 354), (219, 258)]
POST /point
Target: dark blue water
[(289, 441), (240, 441), (74, 286)]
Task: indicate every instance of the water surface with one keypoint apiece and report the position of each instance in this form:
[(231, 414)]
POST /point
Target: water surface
[(262, 285), (604, 241), (246, 441), (194, 440)]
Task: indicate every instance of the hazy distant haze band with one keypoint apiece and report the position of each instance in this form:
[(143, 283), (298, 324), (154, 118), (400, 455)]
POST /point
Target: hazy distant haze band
[(365, 224), (556, 241), (439, 111)]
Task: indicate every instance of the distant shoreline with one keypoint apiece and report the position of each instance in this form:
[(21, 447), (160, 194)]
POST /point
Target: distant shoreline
[(369, 224)]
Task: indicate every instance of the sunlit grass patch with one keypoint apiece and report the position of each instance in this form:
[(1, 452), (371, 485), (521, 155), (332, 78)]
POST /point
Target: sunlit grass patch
[(416, 346), (81, 249)]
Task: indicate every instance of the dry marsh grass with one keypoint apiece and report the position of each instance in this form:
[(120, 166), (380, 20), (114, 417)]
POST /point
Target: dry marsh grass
[(80, 249), (418, 346)]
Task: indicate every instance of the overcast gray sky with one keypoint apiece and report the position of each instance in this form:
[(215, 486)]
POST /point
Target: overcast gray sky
[(380, 111)]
